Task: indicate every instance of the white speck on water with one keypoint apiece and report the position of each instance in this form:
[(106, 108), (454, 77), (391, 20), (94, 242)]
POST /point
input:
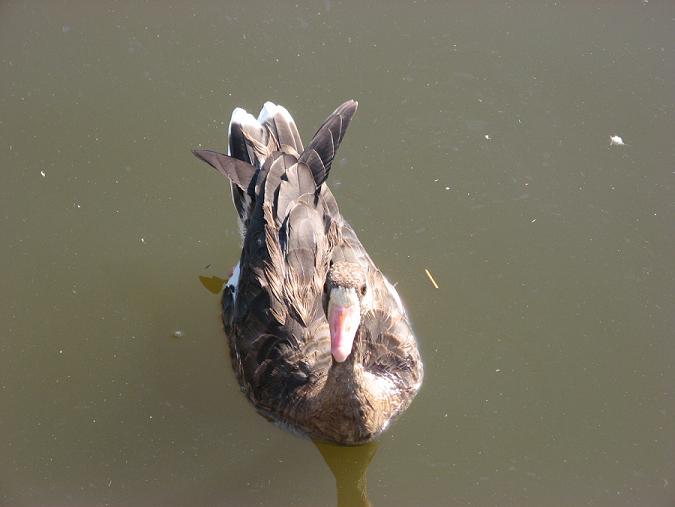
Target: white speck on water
[(178, 333), (142, 240), (498, 370), (533, 220), (487, 136), (61, 351), (77, 205), (616, 141), (447, 188), (43, 173)]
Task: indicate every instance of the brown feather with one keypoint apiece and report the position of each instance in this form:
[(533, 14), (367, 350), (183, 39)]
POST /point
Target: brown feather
[(277, 327)]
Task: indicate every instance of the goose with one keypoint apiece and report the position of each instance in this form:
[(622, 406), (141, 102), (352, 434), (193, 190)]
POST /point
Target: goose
[(320, 341)]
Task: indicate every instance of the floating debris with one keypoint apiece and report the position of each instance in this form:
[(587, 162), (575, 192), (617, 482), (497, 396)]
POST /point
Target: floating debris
[(178, 334), (43, 173), (616, 141), (487, 136), (431, 278)]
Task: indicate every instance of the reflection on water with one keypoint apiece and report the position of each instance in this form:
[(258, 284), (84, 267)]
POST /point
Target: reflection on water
[(213, 284), (349, 466)]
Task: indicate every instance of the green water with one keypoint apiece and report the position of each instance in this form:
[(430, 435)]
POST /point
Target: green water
[(480, 152)]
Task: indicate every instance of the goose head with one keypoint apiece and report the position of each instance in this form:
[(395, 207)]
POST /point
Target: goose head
[(347, 290)]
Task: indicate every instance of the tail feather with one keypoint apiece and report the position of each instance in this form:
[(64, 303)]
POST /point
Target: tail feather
[(241, 175), (281, 126), (320, 153), (263, 161), (243, 126), (237, 171)]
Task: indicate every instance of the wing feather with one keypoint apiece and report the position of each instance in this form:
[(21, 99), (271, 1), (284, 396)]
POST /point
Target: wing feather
[(327, 140)]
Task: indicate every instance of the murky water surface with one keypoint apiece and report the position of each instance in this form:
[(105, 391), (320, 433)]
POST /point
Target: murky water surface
[(480, 152)]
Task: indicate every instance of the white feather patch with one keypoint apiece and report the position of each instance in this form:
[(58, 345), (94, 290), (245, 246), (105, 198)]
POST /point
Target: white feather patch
[(240, 116), (233, 282), (270, 110)]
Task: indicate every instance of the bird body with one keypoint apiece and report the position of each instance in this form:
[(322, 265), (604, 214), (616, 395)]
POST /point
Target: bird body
[(319, 339)]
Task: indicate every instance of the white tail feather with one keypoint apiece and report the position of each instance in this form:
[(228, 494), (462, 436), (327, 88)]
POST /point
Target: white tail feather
[(270, 110), (243, 118)]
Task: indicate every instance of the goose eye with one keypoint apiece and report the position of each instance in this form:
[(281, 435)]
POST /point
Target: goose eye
[(363, 289)]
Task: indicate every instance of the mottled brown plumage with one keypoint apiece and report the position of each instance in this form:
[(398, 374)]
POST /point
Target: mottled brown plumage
[(297, 246)]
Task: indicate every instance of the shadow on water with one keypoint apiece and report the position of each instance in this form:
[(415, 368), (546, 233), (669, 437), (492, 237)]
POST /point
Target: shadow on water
[(349, 466)]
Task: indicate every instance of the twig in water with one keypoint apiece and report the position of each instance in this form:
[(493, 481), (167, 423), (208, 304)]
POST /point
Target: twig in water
[(431, 278)]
